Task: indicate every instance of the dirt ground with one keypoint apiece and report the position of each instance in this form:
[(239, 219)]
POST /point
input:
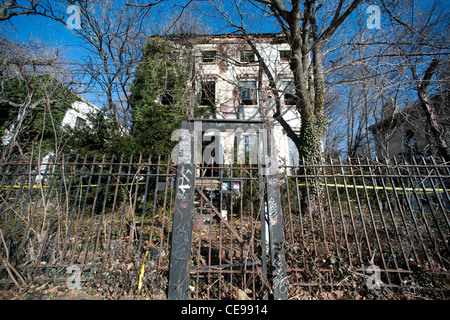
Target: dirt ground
[(50, 291), (108, 291)]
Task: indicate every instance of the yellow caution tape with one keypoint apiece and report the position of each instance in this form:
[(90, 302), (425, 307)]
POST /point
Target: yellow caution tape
[(83, 186), (336, 185), (427, 190)]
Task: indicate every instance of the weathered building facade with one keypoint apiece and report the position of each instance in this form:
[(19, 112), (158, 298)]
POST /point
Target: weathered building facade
[(230, 81), (406, 133)]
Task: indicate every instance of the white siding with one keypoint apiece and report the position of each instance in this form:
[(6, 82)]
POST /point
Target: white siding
[(78, 109), (227, 71)]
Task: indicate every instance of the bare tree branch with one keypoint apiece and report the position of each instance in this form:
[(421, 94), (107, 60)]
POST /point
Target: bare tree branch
[(430, 111)]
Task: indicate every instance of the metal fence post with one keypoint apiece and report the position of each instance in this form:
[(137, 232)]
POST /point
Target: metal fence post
[(275, 221), (180, 255)]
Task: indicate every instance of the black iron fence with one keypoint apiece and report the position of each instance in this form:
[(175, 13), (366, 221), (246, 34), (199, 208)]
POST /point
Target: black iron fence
[(386, 223), (350, 228), (91, 213)]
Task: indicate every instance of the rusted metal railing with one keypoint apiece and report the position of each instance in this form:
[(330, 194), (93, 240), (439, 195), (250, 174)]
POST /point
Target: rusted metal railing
[(347, 224), (362, 216), (84, 212)]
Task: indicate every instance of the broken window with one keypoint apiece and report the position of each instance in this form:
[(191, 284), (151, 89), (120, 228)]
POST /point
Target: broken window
[(247, 56), (249, 92), (289, 93), (209, 56), (208, 93), (285, 55)]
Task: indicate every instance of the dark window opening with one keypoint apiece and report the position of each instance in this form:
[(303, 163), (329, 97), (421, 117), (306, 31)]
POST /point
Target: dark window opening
[(208, 97), (285, 55), (247, 56), (167, 96), (210, 158), (410, 142), (249, 93), (80, 123), (289, 99), (209, 56)]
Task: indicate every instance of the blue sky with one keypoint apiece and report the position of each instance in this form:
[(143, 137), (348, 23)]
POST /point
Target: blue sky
[(55, 35), (28, 29), (48, 33)]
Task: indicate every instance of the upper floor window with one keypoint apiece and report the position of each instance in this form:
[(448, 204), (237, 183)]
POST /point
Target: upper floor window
[(247, 56), (285, 55), (209, 56), (167, 95), (249, 92)]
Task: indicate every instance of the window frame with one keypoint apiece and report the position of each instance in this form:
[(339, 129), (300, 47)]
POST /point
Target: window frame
[(209, 56), (247, 57), (208, 95), (285, 55), (252, 99), (80, 122)]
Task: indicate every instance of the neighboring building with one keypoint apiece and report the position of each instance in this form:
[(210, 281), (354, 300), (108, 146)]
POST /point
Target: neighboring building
[(230, 81), (406, 133), (77, 115)]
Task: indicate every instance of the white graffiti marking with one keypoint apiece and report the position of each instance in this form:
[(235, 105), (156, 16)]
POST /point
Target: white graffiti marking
[(279, 276), (183, 183), (273, 214), (185, 152)]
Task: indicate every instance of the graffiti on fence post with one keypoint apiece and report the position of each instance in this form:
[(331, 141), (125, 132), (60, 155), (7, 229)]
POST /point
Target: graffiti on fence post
[(183, 183), (276, 236), (182, 220), (273, 213), (279, 264)]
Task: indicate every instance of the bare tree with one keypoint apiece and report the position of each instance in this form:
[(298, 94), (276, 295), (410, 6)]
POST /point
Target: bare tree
[(307, 28), (25, 63), (390, 68), (418, 48), (9, 9), (112, 34)]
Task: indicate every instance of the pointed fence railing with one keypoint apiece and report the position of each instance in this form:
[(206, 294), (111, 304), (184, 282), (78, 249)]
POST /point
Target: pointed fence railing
[(357, 223)]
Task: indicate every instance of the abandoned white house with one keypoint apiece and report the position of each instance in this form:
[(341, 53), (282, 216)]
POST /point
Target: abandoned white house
[(230, 81), (406, 133), (75, 117)]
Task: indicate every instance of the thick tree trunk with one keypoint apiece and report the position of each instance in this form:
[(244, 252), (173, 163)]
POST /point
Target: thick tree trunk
[(430, 112)]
